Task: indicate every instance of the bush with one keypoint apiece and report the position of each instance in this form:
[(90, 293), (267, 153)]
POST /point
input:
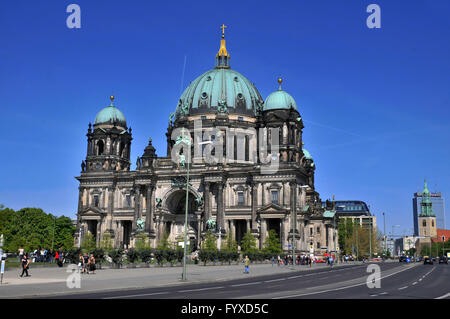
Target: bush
[(146, 254), (99, 255), (159, 255), (180, 254), (132, 255), (170, 255), (116, 255), (72, 255)]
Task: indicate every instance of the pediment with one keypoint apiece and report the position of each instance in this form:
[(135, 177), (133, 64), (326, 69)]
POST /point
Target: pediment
[(272, 209), (92, 211)]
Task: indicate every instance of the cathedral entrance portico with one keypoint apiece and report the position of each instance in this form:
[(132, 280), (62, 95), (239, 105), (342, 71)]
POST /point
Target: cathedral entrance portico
[(175, 202)]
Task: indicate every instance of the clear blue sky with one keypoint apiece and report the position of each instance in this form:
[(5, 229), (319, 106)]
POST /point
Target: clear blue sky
[(375, 101)]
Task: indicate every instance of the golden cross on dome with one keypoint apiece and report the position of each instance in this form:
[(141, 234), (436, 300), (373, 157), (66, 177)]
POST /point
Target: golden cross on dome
[(223, 30)]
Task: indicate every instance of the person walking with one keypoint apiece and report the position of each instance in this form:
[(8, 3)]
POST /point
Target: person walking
[(86, 263), (25, 265), (92, 264), (246, 264), (80, 263)]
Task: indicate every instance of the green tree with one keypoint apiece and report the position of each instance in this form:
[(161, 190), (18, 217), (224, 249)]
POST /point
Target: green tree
[(230, 244), (88, 243), (209, 243), (106, 243), (141, 241), (164, 242), (32, 228), (272, 245), (248, 243)]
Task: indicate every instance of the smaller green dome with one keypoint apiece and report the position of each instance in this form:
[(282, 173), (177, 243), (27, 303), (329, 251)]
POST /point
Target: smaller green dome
[(111, 115), (307, 155), (279, 100)]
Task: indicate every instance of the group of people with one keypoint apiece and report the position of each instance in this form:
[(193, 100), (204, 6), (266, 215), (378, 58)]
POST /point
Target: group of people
[(299, 260), (39, 255), (86, 263), (44, 255)]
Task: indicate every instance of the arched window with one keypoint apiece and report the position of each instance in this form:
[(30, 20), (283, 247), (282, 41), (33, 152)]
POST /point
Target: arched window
[(100, 147)]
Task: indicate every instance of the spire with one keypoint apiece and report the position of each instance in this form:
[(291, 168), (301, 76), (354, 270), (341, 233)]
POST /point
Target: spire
[(426, 205), (280, 80), (222, 57), (112, 100)]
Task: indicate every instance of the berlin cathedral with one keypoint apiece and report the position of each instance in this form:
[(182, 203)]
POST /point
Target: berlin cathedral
[(228, 197)]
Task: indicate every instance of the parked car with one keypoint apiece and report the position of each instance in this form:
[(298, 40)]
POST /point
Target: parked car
[(443, 260), (402, 259), (428, 260)]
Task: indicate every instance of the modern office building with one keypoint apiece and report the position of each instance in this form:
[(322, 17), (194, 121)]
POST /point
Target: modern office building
[(437, 202), (357, 210)]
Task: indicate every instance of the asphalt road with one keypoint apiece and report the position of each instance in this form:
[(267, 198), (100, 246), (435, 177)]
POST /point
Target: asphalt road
[(397, 280)]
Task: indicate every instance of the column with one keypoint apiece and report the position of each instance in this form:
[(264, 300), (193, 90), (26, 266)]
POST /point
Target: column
[(137, 206), (150, 207), (294, 209), (111, 208), (199, 222), (248, 225), (220, 206), (98, 232), (263, 232), (263, 195), (207, 203), (233, 229), (254, 204)]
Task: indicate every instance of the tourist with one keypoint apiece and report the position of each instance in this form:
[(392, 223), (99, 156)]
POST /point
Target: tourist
[(86, 263), (25, 265), (92, 264), (246, 264), (80, 263)]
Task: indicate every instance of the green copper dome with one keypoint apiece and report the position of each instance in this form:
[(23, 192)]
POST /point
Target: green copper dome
[(111, 115), (279, 100), (220, 89)]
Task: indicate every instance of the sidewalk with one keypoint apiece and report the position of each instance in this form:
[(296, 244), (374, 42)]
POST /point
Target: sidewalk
[(52, 281)]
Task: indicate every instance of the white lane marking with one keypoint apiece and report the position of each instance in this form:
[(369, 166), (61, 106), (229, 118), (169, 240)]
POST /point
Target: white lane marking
[(250, 283), (403, 288), (335, 289), (139, 295), (414, 283), (384, 293), (295, 277), (447, 295), (200, 289), (275, 280)]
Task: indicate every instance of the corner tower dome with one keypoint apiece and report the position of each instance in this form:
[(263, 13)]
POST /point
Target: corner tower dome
[(279, 100), (111, 115), (220, 89)]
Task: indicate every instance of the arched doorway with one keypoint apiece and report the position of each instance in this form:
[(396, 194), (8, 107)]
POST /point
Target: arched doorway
[(176, 204)]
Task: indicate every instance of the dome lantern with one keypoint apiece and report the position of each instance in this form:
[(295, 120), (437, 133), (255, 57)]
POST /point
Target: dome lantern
[(223, 57)]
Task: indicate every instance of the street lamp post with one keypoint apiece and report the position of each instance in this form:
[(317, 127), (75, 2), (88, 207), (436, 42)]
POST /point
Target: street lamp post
[(53, 238), (185, 162)]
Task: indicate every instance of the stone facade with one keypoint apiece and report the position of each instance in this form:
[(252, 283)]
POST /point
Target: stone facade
[(238, 195)]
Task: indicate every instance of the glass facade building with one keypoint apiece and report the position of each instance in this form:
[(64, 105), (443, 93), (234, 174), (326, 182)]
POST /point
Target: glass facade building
[(357, 210), (438, 208)]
